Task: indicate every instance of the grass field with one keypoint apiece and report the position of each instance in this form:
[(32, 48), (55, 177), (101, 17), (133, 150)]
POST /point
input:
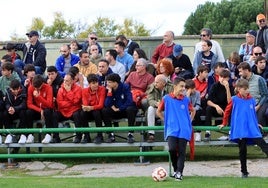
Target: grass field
[(132, 182)]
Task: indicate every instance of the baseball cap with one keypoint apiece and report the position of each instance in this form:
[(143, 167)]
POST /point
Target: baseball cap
[(260, 17), (252, 32), (177, 50), (32, 33)]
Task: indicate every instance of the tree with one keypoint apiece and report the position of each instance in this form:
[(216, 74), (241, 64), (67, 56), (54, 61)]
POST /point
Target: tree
[(59, 29), (226, 17), (37, 24), (131, 27)]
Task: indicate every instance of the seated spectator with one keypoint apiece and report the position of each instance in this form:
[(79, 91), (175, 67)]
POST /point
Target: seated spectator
[(15, 57), (165, 67), (261, 68), (55, 80), (246, 49), (69, 100), (92, 39), (116, 67), (214, 77), (40, 106), (205, 57), (74, 47), (139, 81), (218, 97), (194, 96), (8, 58), (118, 104), (29, 73), (231, 64), (15, 108), (94, 55), (139, 53), (79, 79), (92, 103), (155, 92), (181, 63), (257, 51), (65, 60), (8, 74), (103, 71), (130, 45), (2, 107), (84, 65)]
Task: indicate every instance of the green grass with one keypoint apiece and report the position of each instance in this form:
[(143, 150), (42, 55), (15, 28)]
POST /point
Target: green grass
[(135, 182)]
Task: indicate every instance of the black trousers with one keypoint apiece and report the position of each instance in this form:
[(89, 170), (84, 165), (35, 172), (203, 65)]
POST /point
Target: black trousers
[(9, 118), (177, 151), (242, 143), (91, 115)]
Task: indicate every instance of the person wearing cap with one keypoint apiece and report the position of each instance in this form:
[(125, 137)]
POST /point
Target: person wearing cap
[(34, 52), (246, 49), (181, 63), (206, 34), (262, 34)]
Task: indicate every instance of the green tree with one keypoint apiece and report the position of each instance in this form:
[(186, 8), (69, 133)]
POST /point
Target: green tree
[(60, 29), (226, 17), (131, 28), (37, 24)]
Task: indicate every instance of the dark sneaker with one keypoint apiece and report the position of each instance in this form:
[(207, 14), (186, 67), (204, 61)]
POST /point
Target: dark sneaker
[(85, 140), (245, 175), (110, 138), (207, 137), (178, 176), (130, 139), (173, 175), (55, 140), (150, 138), (98, 140), (77, 140)]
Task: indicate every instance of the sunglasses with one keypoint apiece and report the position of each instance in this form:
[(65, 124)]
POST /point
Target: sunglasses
[(261, 21), (93, 38), (203, 35), (257, 54)]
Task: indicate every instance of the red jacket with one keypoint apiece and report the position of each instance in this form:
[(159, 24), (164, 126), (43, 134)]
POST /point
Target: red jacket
[(95, 99), (69, 102), (43, 100)]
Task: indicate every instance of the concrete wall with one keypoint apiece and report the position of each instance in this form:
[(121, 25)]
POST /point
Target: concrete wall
[(228, 43)]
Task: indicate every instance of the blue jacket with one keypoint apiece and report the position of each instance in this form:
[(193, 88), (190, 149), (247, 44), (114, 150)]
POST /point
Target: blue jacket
[(121, 97), (60, 63)]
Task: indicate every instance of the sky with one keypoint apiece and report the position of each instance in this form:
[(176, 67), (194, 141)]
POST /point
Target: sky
[(162, 15)]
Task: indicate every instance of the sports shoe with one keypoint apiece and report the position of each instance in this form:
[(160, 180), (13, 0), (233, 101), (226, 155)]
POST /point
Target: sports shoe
[(22, 139), (245, 175), (77, 140), (55, 140), (9, 139), (173, 175), (30, 139), (207, 136), (110, 138), (0, 139), (178, 176), (223, 138), (98, 140), (130, 138), (47, 139), (150, 138), (197, 137)]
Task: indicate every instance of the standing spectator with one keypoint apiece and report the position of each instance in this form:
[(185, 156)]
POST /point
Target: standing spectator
[(205, 57), (74, 47), (123, 57), (258, 90), (65, 60), (69, 100), (92, 103), (165, 49), (15, 108), (130, 45), (116, 67), (94, 55), (246, 49), (34, 52), (243, 130), (84, 65), (118, 104), (92, 39), (181, 63), (261, 68), (262, 34), (155, 92), (206, 34), (103, 71), (40, 106), (177, 117)]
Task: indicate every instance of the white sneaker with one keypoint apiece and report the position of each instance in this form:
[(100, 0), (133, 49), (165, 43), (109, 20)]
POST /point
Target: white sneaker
[(197, 137), (8, 139), (0, 139), (22, 139), (30, 139), (47, 139), (222, 138)]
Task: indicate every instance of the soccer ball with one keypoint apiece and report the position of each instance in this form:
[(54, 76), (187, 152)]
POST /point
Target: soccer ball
[(159, 174)]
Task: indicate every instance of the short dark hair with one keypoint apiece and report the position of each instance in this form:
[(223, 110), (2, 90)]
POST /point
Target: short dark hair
[(121, 37), (113, 77), (8, 66), (74, 70), (52, 69), (178, 80), (189, 84), (15, 84), (104, 60), (209, 43), (259, 58), (112, 52), (10, 46), (28, 68), (72, 75), (201, 69), (92, 78), (38, 80), (225, 73), (120, 43), (7, 58), (244, 66), (82, 52)]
